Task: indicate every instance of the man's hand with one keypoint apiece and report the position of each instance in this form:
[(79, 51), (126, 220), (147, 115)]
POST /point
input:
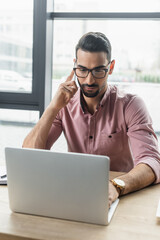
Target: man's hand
[(113, 193), (64, 93), (139, 177)]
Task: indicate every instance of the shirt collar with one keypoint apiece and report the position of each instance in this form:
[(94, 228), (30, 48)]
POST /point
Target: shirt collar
[(78, 99)]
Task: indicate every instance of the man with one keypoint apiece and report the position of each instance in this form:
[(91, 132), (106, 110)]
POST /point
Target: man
[(98, 119)]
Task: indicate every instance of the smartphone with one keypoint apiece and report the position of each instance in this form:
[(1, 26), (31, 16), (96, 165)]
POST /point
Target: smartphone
[(75, 79)]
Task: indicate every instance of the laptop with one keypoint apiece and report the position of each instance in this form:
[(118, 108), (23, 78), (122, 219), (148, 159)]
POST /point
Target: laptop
[(69, 186)]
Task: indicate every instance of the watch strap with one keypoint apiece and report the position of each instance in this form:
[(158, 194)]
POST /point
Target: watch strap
[(120, 189)]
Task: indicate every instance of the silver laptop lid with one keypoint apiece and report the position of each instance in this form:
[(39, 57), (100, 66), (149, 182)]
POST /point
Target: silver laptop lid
[(61, 185)]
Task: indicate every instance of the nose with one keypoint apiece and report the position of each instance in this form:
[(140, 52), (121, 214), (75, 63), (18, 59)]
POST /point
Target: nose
[(90, 79)]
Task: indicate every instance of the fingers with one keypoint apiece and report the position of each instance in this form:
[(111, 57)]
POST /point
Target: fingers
[(113, 194), (69, 87), (65, 92), (69, 78), (71, 84), (109, 203)]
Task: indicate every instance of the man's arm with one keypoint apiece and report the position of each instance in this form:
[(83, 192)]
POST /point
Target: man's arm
[(144, 147), (37, 138), (139, 177)]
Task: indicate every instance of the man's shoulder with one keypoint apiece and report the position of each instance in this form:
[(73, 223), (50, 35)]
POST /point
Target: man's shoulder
[(128, 101), (117, 93)]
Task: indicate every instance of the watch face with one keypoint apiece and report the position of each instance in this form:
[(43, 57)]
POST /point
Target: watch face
[(119, 182)]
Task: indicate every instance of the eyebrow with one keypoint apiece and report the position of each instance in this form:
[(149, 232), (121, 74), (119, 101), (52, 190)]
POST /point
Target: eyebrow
[(92, 68)]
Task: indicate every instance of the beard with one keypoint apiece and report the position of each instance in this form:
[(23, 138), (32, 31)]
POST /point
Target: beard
[(90, 94)]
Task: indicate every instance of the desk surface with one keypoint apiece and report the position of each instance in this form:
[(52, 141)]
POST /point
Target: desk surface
[(135, 218)]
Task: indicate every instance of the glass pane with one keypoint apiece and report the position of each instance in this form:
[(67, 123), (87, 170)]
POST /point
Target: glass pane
[(135, 48), (106, 6), (16, 40), (14, 127)]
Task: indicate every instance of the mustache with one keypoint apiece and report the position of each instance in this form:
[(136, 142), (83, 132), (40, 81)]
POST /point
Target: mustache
[(92, 85)]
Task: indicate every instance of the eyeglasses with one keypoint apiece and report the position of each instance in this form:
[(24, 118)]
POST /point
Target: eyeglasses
[(96, 72)]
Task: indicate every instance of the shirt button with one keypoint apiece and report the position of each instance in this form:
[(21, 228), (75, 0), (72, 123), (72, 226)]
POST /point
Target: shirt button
[(90, 137)]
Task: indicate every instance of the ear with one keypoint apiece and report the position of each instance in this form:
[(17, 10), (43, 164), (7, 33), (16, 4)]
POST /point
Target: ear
[(111, 66), (74, 60)]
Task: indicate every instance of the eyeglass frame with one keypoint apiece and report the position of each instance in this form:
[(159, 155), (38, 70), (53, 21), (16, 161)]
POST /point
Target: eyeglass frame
[(90, 70)]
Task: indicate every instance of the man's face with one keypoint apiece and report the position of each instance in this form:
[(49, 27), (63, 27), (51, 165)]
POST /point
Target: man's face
[(90, 85)]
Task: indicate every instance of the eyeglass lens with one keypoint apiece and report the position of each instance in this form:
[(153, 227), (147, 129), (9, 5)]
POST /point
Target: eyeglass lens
[(98, 73)]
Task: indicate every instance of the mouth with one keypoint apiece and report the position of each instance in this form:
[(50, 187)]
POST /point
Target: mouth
[(90, 89)]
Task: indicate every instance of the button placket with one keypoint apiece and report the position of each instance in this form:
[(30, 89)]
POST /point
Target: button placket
[(91, 133)]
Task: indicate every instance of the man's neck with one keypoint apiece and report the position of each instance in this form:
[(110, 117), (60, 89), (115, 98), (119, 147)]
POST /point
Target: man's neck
[(92, 103)]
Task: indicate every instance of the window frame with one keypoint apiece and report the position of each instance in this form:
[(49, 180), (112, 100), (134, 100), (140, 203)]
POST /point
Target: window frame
[(40, 95)]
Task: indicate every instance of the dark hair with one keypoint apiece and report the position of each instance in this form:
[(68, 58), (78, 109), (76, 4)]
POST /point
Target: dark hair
[(94, 42)]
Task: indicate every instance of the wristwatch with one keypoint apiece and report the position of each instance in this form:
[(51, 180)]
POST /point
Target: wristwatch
[(119, 184)]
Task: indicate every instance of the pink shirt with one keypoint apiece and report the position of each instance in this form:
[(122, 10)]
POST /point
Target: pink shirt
[(121, 128)]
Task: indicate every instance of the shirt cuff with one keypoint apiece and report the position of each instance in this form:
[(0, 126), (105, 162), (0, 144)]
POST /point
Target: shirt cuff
[(154, 164)]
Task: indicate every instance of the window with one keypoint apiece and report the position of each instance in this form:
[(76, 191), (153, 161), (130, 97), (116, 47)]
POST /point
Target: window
[(14, 126), (23, 67), (106, 6), (16, 44), (23, 55)]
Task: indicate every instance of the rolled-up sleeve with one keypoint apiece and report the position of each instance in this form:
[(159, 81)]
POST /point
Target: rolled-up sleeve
[(142, 139), (55, 131)]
